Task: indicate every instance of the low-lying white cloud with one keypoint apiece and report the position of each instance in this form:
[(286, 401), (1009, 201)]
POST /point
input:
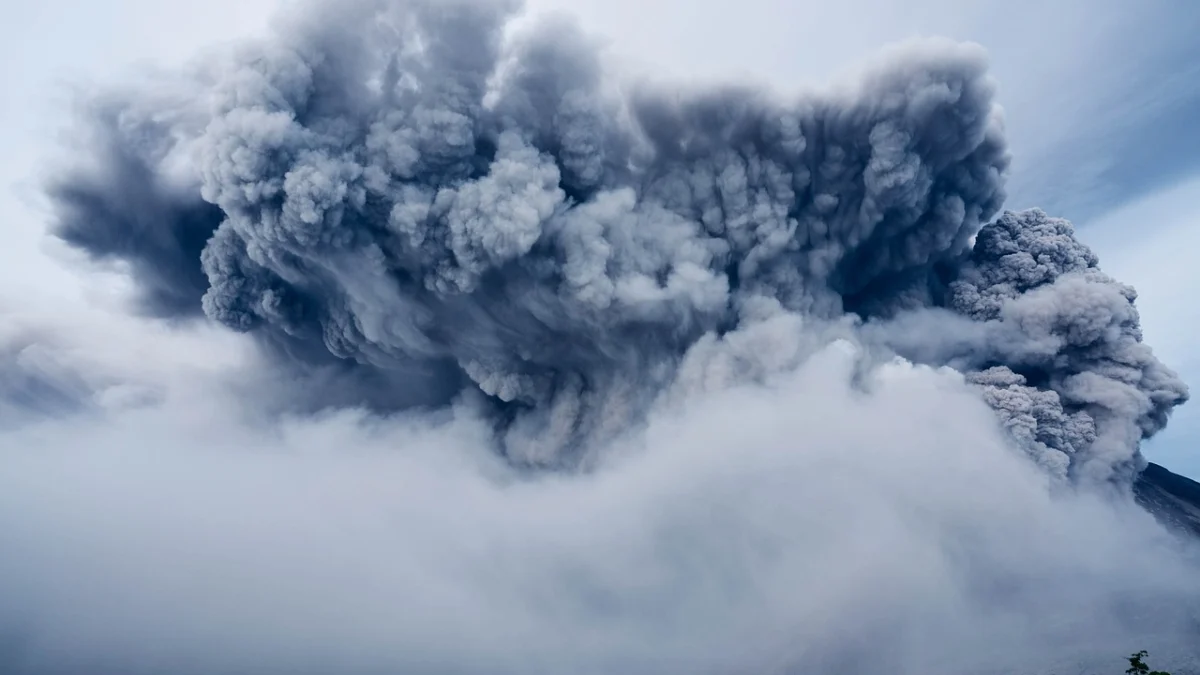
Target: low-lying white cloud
[(823, 517)]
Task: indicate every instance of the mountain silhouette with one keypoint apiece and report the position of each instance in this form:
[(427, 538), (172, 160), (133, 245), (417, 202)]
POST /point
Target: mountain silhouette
[(1173, 499)]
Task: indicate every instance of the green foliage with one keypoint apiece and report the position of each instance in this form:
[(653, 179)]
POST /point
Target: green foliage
[(1137, 665)]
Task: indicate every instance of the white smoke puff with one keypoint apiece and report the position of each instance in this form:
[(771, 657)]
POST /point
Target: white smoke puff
[(499, 218), (57, 364), (504, 386)]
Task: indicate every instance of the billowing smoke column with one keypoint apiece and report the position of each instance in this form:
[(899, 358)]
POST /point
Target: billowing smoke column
[(1075, 378), (402, 189)]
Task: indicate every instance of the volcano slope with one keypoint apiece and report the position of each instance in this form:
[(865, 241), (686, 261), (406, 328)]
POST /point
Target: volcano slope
[(1173, 499)]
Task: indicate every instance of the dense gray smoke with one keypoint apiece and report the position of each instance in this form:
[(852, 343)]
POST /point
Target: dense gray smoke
[(1069, 329), (404, 189), (1053, 342)]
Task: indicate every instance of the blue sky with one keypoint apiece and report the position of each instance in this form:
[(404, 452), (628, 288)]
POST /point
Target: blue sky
[(1100, 101)]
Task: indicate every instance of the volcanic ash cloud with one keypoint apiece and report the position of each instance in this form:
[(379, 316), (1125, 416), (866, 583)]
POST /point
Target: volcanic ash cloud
[(629, 378)]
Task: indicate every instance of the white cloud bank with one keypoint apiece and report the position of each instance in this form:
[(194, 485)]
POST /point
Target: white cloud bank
[(823, 517)]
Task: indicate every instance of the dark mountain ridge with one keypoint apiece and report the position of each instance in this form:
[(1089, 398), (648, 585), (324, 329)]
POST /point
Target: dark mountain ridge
[(1173, 499)]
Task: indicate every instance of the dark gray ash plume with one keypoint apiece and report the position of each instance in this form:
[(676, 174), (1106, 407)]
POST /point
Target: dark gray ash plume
[(400, 188), (1069, 341)]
